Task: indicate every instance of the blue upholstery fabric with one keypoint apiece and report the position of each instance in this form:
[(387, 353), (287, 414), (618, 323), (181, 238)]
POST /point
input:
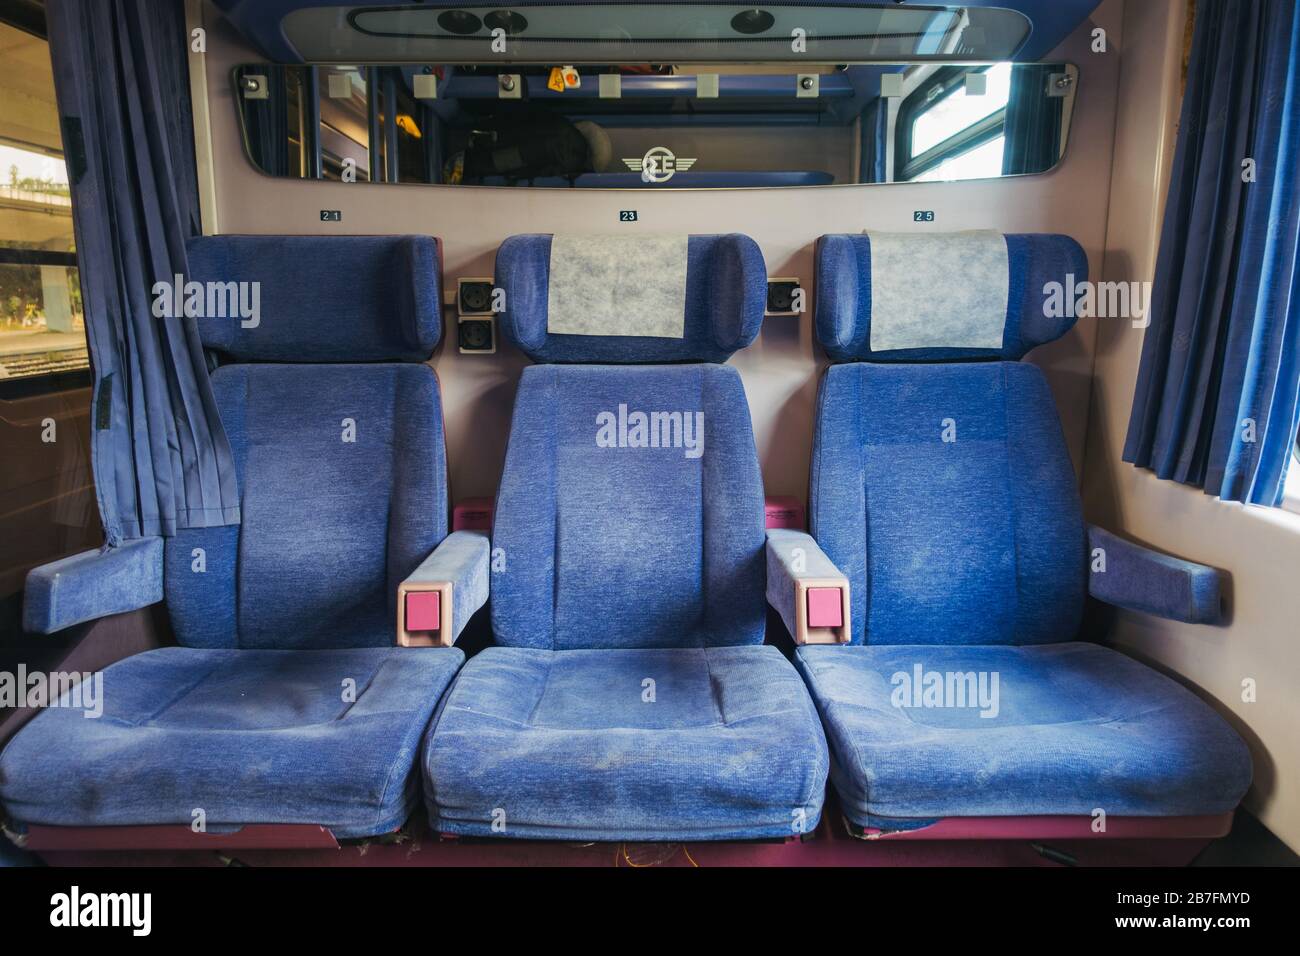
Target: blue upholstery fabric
[(628, 547), (783, 571), (462, 560), (1077, 727), (726, 293), (945, 493), (974, 541), (247, 736), (631, 698), (325, 298), (566, 746), (286, 615), (843, 320), (1141, 579), (93, 584), (330, 527)]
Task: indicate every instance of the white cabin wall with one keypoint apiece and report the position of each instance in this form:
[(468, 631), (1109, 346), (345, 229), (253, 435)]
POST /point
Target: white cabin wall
[(1258, 547), (782, 368)]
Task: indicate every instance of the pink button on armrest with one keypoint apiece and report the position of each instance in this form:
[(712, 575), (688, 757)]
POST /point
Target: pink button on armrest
[(423, 610), (825, 607)]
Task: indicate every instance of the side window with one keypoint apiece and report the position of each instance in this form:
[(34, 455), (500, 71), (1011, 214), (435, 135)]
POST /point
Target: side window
[(946, 133), (47, 496), (42, 330)]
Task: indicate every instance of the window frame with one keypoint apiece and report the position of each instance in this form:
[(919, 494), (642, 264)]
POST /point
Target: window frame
[(920, 101), (58, 380), (31, 20)]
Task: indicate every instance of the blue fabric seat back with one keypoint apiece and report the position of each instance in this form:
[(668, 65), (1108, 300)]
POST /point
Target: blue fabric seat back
[(340, 497), (845, 297), (325, 298), (944, 489), (630, 511), (979, 540), (723, 301)]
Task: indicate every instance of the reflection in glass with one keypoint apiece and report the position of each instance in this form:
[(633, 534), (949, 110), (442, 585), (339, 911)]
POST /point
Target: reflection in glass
[(640, 126), (980, 162), (959, 109)]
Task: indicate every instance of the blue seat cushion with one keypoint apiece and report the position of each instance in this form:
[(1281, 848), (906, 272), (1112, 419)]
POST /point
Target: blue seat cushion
[(325, 737), (577, 745), (1076, 727)]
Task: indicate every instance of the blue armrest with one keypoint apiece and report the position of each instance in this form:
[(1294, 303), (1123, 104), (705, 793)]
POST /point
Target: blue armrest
[(93, 584), (458, 570), (796, 566), (1140, 579)]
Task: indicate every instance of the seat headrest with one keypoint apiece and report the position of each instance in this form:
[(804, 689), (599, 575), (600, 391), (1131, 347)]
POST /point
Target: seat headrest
[(943, 297), (631, 300), (318, 298)]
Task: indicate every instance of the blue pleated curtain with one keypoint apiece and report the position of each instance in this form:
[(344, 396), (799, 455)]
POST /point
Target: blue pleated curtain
[(1217, 401), (266, 123), (875, 138), (160, 456), (1034, 120)]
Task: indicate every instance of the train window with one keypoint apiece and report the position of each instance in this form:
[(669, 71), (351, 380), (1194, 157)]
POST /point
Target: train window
[(42, 330), (950, 132)]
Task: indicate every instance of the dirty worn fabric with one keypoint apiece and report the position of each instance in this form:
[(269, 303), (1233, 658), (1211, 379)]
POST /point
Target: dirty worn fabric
[(1064, 729), (627, 531), (341, 502), (716, 743), (945, 494), (246, 736)]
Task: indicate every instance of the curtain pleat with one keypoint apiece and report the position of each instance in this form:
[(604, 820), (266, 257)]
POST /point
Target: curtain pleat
[(875, 138), (159, 452), (267, 124), (1217, 401)]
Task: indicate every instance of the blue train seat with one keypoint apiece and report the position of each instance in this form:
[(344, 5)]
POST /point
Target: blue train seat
[(629, 695), (943, 496), (286, 700)]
